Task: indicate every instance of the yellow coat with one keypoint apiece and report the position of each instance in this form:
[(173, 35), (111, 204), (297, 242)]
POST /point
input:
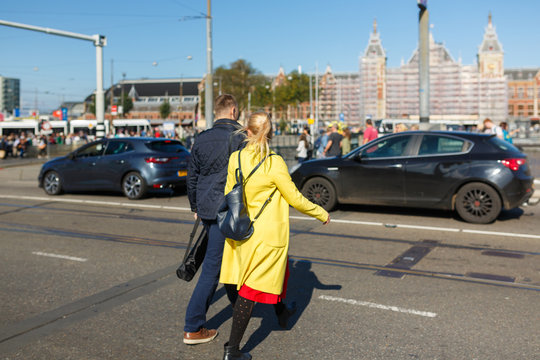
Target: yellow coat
[(260, 261)]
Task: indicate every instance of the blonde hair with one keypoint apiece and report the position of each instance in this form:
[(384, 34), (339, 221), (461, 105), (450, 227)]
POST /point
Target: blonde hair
[(260, 132)]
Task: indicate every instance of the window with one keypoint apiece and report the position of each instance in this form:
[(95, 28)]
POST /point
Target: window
[(91, 150), (117, 147), (392, 147), (530, 92), (169, 146), (520, 92), (435, 145)]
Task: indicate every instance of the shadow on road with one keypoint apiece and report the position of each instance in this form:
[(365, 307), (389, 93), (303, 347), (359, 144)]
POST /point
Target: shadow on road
[(302, 283)]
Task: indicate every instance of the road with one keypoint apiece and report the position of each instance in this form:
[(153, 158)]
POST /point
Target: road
[(91, 276)]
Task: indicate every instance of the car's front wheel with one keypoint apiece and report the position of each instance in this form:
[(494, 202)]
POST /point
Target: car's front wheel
[(478, 203), (134, 186), (321, 192), (52, 183)]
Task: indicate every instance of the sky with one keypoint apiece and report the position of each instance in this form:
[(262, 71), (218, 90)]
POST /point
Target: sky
[(167, 38)]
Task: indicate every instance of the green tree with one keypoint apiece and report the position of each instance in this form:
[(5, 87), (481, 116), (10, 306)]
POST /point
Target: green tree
[(165, 109), (128, 104)]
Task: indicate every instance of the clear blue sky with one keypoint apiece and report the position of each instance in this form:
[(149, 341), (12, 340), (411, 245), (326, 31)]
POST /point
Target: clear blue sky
[(153, 39)]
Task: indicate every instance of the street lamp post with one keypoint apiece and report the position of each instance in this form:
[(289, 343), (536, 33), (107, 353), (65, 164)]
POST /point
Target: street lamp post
[(423, 62), (209, 84)]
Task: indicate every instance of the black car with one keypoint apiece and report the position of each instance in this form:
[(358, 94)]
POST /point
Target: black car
[(131, 165), (475, 174)]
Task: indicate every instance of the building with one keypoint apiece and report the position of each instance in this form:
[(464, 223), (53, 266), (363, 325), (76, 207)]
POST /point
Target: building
[(457, 91), (148, 95), (523, 94), (10, 95)]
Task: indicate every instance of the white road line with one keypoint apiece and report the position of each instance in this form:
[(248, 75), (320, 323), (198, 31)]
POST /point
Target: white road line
[(65, 257), (378, 306), (303, 218)]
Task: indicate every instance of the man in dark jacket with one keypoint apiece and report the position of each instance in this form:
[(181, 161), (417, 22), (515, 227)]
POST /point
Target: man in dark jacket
[(207, 175)]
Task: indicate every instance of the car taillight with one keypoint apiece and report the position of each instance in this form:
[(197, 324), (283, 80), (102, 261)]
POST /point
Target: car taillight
[(513, 164), (159, 160)]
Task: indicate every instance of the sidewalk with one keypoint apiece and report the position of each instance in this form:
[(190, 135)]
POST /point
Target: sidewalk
[(12, 162)]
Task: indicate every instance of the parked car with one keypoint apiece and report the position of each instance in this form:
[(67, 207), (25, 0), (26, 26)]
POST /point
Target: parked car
[(476, 175), (131, 165)]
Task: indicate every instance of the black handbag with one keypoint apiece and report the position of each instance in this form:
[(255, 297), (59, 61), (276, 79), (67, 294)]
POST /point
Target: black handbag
[(232, 218), (194, 256)]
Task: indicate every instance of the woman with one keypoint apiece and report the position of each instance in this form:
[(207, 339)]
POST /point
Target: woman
[(258, 266), (507, 135), (346, 141), (302, 149)]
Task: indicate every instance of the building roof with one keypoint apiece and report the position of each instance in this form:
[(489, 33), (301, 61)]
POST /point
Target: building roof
[(490, 43), (156, 87), (521, 74)]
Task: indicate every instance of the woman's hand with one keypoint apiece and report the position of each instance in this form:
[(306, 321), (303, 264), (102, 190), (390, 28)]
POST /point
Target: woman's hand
[(327, 220)]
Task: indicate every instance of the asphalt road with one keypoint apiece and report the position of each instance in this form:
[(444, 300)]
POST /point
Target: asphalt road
[(91, 276)]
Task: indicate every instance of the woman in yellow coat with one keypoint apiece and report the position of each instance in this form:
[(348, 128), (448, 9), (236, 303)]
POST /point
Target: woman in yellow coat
[(258, 265)]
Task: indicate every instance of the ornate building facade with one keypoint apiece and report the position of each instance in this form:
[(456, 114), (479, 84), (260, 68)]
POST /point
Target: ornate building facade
[(457, 91)]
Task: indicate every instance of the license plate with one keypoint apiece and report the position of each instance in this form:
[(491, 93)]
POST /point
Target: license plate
[(182, 173)]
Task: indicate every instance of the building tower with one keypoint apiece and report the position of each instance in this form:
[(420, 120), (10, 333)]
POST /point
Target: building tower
[(492, 99), (373, 78)]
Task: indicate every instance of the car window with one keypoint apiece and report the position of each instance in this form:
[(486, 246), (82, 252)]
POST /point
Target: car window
[(392, 147), (435, 145), (502, 144), (170, 146), (91, 150), (118, 147)]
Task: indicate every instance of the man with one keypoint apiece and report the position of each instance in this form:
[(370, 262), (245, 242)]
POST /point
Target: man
[(207, 174), (491, 128), (370, 133), (333, 148)]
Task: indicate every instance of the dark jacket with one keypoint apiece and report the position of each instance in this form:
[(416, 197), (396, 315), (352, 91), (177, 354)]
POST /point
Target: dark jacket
[(207, 170)]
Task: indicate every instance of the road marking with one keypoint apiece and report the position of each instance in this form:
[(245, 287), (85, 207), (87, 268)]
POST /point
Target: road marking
[(303, 218), (378, 306), (65, 257)]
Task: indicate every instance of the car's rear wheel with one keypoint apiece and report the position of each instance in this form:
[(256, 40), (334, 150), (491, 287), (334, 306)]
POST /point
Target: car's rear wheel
[(52, 183), (478, 203), (134, 186), (321, 192)]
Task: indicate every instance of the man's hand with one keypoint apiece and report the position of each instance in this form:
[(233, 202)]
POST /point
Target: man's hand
[(195, 216)]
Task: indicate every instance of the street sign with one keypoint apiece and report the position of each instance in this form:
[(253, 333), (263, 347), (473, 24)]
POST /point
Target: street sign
[(341, 117), (64, 114), (114, 109), (310, 121), (17, 112), (57, 113)]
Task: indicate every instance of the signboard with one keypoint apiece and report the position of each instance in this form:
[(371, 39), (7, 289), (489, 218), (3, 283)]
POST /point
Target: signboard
[(57, 113), (64, 114), (17, 112), (310, 121), (114, 109), (341, 117)]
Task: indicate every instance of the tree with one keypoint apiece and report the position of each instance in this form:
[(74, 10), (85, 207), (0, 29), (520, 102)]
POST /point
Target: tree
[(127, 104), (165, 109)]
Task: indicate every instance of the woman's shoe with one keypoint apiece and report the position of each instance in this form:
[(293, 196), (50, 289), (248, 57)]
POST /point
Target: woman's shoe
[(233, 353)]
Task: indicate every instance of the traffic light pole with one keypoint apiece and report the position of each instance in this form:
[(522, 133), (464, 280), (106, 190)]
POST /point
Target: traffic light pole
[(99, 42)]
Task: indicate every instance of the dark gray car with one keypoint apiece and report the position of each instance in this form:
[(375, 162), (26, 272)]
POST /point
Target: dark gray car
[(475, 174), (131, 165)]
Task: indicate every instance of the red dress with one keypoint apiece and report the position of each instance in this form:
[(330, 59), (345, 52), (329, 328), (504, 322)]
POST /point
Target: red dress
[(262, 297)]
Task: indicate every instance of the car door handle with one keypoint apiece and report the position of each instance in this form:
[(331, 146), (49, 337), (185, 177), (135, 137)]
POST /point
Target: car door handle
[(396, 166), (120, 161)]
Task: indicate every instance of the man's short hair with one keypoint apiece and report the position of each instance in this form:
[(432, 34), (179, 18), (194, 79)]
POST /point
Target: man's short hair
[(368, 122), (224, 103)]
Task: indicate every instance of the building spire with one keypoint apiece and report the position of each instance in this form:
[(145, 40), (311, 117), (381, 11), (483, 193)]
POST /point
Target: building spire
[(375, 25), (489, 19)]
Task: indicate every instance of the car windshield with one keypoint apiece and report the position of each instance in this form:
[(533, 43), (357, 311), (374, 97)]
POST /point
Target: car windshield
[(169, 146)]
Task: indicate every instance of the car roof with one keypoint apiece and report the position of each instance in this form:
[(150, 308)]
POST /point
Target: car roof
[(445, 132)]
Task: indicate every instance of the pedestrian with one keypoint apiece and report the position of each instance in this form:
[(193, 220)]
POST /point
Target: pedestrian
[(321, 142), (507, 135), (346, 141), (333, 148), (491, 128), (258, 266), (400, 128), (42, 146), (370, 133), (207, 173), (302, 149)]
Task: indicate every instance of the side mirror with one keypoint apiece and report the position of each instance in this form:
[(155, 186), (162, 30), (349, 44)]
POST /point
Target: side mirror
[(358, 156), (71, 156)]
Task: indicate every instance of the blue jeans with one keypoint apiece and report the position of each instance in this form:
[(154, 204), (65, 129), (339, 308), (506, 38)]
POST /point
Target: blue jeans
[(208, 280)]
